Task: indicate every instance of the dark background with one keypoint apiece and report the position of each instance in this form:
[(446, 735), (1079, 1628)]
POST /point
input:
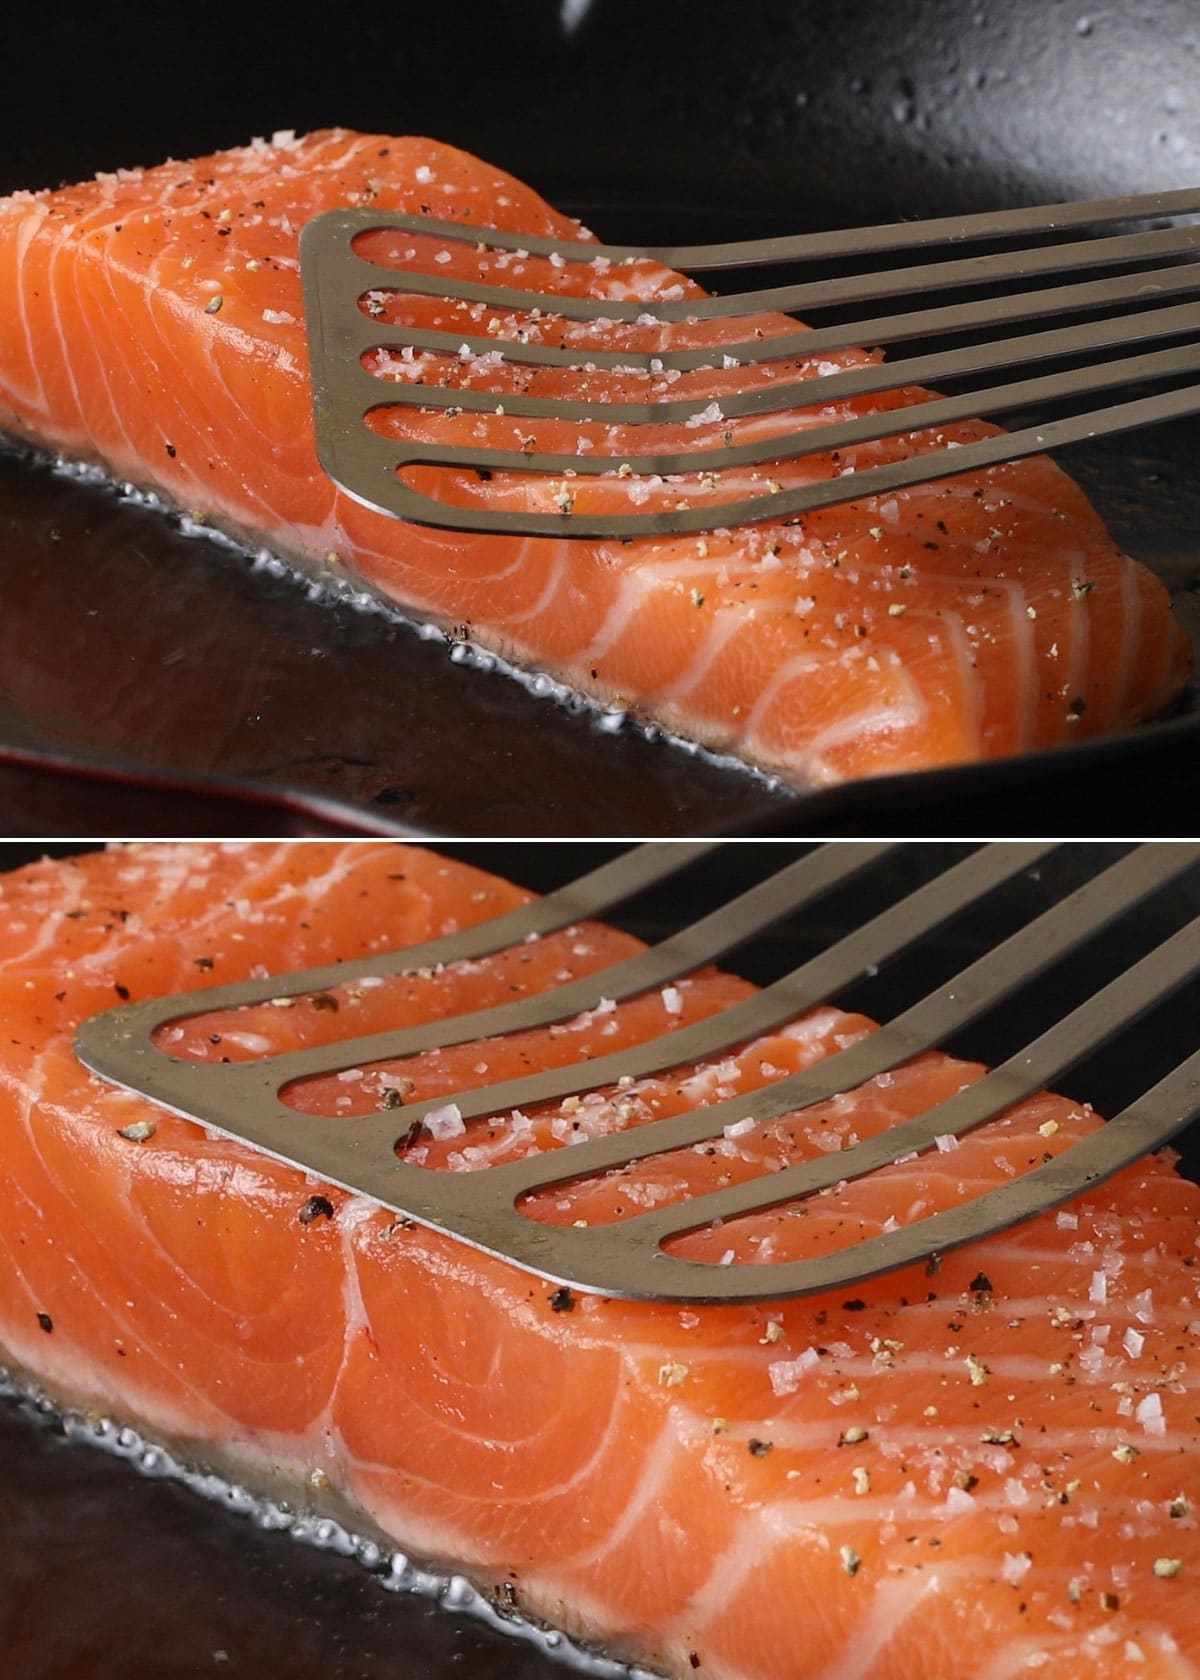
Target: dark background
[(851, 109), (680, 119)]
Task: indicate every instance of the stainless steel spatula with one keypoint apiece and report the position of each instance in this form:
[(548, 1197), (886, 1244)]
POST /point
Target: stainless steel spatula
[(366, 358), (628, 1258)]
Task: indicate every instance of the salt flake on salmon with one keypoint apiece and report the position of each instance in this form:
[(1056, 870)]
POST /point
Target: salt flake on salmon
[(976, 1473), (157, 328)]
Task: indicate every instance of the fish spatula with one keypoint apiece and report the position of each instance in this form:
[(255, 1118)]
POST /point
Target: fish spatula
[(366, 358), (629, 1258)]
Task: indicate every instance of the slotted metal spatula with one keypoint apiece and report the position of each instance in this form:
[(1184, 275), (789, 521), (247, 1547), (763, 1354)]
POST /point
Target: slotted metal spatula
[(364, 361), (628, 1258)]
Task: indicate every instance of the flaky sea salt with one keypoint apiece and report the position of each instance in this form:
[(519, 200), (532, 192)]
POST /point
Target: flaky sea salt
[(786, 1374), (446, 1122), (1149, 1414), (1143, 1306), (709, 416)]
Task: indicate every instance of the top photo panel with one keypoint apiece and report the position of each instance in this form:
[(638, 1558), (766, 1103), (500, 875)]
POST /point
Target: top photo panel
[(599, 420)]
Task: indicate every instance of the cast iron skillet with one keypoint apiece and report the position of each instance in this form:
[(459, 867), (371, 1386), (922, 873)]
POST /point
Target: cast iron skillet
[(130, 647), (107, 1576)]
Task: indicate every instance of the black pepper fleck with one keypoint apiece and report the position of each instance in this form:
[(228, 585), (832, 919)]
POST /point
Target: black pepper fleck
[(410, 1135), (316, 1207)]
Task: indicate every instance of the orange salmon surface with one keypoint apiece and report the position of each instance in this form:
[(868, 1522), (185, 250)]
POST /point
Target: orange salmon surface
[(986, 1472), (155, 326)]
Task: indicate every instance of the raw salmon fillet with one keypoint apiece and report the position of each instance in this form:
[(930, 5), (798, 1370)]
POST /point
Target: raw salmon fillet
[(155, 325), (982, 1473)]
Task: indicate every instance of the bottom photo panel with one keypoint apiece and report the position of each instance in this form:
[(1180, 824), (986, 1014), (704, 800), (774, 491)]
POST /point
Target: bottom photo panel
[(750, 1260)]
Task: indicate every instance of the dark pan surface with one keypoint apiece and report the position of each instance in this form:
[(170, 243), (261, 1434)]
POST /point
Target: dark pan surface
[(107, 1576), (164, 659), (224, 670)]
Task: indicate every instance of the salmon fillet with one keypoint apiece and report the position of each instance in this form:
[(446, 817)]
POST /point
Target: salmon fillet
[(156, 327), (969, 1475)]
